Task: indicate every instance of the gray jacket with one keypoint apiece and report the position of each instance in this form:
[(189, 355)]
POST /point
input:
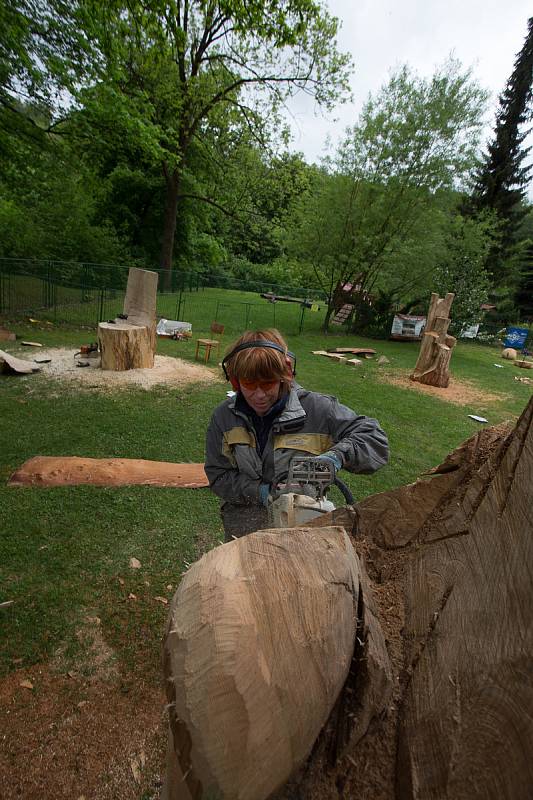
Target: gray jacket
[(310, 424)]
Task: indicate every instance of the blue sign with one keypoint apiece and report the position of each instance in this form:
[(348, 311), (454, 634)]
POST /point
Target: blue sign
[(516, 337)]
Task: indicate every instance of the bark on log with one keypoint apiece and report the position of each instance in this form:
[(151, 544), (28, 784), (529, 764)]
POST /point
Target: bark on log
[(259, 643), (124, 346), (9, 364), (433, 364), (466, 729), (74, 471)]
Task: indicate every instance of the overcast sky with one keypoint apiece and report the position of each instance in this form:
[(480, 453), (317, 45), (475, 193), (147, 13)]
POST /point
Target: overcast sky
[(382, 35)]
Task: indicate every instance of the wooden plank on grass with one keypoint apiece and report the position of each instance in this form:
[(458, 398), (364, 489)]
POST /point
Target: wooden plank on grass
[(9, 363), (356, 351), (72, 471)]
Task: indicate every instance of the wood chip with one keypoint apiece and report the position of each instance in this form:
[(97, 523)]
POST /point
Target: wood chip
[(31, 344), (132, 596), (136, 772), (6, 603), (162, 600), (26, 684), (135, 563)]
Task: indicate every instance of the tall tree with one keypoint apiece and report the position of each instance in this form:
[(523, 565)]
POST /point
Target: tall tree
[(169, 66), (503, 176), (374, 219)]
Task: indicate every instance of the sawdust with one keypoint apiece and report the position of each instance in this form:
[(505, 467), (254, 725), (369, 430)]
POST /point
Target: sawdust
[(459, 392), (166, 370), (70, 737)]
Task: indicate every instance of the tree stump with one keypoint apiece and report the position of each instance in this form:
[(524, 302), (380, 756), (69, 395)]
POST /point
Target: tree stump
[(131, 343), (433, 364), (125, 346)]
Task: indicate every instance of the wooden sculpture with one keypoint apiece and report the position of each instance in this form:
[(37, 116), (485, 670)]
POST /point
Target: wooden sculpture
[(433, 363), (130, 343), (259, 643)]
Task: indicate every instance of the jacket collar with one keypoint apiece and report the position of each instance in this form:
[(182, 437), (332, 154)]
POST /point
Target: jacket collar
[(291, 414)]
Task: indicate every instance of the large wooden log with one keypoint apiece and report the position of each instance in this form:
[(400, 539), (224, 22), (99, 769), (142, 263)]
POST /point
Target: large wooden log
[(9, 363), (75, 471), (131, 343), (259, 643), (124, 346), (433, 364), (466, 727)]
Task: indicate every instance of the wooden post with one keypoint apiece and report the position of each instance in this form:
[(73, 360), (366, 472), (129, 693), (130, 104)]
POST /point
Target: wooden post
[(130, 343), (433, 364)]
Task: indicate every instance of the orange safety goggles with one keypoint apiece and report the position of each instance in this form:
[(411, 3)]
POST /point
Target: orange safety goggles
[(251, 386)]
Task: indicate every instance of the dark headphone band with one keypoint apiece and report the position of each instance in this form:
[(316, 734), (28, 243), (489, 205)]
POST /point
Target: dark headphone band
[(258, 343)]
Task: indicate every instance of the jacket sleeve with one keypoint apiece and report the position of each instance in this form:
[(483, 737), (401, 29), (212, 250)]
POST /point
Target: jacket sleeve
[(360, 442), (225, 480)]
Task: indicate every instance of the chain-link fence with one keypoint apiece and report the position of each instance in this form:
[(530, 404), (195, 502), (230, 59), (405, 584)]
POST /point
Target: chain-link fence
[(85, 294)]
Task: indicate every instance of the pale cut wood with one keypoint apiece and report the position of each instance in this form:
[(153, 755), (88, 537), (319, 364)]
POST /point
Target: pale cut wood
[(131, 344), (433, 364), (73, 471), (9, 363), (140, 302), (141, 296), (125, 346), (259, 642), (466, 729)]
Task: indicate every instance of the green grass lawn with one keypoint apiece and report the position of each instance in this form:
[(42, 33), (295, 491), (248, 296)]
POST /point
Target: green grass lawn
[(64, 553)]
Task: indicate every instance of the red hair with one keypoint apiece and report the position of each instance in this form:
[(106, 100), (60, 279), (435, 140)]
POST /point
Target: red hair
[(260, 363)]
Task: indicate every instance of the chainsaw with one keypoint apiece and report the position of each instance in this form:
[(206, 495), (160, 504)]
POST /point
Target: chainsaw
[(302, 496)]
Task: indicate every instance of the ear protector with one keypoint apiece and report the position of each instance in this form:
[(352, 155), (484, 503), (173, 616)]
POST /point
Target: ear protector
[(290, 357)]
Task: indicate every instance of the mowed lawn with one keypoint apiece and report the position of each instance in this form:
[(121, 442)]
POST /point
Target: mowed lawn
[(65, 553)]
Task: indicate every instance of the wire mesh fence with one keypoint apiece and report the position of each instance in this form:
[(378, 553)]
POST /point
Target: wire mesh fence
[(85, 294)]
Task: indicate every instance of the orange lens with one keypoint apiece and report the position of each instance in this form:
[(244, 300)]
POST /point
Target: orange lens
[(251, 386)]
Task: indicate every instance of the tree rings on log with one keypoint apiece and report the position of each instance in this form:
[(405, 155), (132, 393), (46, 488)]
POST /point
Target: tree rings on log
[(124, 346), (259, 643)]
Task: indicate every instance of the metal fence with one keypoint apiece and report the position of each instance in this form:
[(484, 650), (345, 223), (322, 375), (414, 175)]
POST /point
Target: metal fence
[(85, 294)]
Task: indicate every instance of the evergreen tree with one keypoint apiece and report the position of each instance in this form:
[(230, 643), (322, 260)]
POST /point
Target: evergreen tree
[(503, 176)]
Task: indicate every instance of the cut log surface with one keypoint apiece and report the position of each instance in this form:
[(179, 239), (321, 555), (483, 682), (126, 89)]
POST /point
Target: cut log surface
[(9, 363), (466, 726), (72, 471), (259, 643), (125, 346)]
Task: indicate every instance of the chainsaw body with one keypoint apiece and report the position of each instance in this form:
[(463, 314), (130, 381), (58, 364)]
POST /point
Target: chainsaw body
[(302, 496)]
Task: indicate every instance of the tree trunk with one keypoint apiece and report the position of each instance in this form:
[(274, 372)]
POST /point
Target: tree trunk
[(169, 229), (433, 364), (329, 312), (124, 346), (465, 726)]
